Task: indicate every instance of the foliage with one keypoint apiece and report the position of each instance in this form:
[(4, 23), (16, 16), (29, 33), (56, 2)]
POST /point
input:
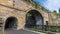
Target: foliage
[(1, 32), (58, 14), (55, 11), (36, 4), (50, 29), (59, 10), (29, 14), (58, 30)]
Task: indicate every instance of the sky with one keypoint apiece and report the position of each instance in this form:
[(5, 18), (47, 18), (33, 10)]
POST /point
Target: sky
[(50, 4)]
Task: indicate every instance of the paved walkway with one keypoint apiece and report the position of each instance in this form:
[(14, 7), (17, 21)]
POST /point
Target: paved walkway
[(20, 32)]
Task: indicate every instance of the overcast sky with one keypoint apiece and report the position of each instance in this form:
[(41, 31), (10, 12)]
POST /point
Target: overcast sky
[(50, 4)]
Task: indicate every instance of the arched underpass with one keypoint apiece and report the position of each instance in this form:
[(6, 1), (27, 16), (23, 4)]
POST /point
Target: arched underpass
[(11, 23), (34, 19)]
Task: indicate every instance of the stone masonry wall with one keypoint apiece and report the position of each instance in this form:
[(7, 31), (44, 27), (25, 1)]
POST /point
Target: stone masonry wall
[(18, 9)]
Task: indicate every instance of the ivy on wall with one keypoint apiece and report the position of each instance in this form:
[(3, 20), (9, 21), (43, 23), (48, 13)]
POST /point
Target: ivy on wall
[(36, 4)]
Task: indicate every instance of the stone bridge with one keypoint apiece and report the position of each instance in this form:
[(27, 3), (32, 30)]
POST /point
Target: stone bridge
[(13, 13)]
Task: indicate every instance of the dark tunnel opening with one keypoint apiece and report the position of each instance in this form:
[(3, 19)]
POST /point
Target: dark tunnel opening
[(11, 22), (34, 19)]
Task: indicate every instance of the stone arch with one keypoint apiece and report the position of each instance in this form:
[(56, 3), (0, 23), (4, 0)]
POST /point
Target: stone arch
[(11, 22), (38, 10), (34, 18)]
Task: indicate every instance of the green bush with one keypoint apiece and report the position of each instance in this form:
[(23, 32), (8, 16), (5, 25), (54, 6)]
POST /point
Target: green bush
[(58, 30)]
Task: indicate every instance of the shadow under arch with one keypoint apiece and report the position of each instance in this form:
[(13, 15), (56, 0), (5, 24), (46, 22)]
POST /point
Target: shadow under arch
[(34, 19), (11, 23)]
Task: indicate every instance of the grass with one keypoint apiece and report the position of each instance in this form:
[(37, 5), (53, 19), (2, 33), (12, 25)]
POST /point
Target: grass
[(50, 28), (34, 29), (1, 32)]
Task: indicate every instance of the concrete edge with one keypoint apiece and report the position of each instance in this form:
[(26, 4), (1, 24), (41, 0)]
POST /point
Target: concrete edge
[(33, 31)]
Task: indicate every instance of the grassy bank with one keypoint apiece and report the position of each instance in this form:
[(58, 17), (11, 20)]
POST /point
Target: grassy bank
[(1, 32), (46, 28)]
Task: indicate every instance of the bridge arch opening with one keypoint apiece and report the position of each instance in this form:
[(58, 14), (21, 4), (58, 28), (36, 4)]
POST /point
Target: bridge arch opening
[(11, 23), (34, 19)]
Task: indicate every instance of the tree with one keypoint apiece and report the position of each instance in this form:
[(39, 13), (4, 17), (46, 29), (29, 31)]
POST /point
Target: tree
[(58, 14), (59, 10), (55, 11)]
